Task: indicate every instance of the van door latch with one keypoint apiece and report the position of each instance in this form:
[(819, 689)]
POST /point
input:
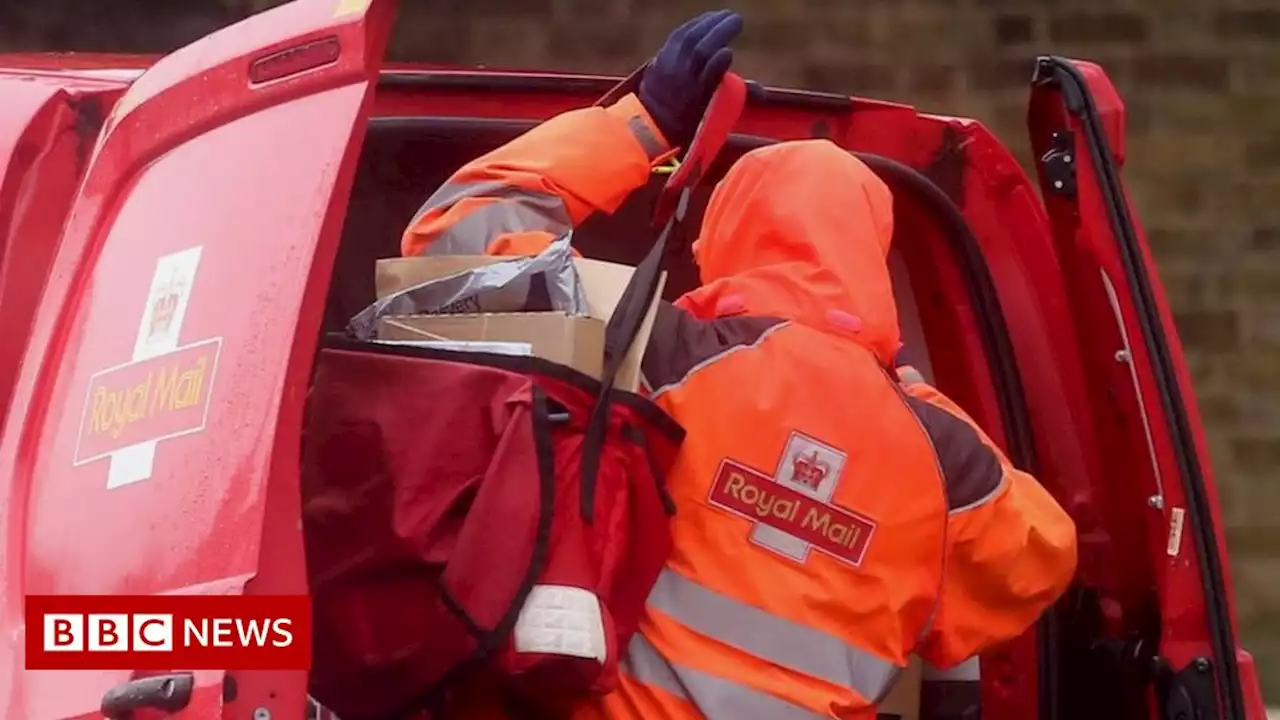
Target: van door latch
[(1187, 694), (169, 693)]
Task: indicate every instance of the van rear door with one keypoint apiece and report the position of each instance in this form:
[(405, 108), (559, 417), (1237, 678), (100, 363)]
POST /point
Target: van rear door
[(1150, 436), (160, 401), (47, 130)]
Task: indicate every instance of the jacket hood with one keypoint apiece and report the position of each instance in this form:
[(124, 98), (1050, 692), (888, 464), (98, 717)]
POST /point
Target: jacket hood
[(800, 231)]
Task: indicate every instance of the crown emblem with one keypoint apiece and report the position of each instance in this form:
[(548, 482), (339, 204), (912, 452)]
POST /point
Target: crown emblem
[(164, 307), (809, 470)]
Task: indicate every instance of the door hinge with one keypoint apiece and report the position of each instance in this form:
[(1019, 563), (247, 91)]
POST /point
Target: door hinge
[(1189, 693), (1060, 164)]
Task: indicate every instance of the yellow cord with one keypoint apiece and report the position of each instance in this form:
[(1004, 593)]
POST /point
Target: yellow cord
[(667, 169)]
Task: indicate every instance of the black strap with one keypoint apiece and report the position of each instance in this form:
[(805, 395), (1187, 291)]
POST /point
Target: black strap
[(619, 336), (629, 84), (713, 130)]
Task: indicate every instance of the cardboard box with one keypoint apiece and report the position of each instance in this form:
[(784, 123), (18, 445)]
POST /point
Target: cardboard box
[(574, 341), (903, 701)]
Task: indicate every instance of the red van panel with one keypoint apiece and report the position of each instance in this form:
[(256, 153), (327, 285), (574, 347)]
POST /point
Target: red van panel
[(47, 133), (160, 396), (1165, 579)]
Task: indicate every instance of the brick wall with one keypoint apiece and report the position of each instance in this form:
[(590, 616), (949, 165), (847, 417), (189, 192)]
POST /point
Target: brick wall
[(1202, 81)]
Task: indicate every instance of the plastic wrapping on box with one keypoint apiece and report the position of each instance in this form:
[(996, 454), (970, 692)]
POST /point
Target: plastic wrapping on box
[(545, 282)]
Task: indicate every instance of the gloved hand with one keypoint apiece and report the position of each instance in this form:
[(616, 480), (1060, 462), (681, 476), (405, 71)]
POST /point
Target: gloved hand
[(679, 83)]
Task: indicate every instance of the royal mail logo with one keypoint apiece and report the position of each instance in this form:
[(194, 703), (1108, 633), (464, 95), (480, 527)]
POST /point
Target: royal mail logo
[(159, 398), (164, 307), (161, 392), (792, 511), (809, 471), (151, 632)]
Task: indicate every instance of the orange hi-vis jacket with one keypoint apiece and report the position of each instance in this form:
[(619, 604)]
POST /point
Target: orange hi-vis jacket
[(830, 521)]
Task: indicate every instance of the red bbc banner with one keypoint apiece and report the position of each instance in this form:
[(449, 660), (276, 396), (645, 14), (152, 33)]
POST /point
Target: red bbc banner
[(167, 632)]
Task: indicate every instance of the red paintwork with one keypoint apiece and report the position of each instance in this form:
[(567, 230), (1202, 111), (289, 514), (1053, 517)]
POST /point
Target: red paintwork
[(200, 160), (46, 134), (259, 177), (1130, 472), (68, 62)]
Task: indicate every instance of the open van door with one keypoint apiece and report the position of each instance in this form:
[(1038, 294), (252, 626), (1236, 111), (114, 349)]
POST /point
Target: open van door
[(47, 131), (1173, 618), (154, 439)]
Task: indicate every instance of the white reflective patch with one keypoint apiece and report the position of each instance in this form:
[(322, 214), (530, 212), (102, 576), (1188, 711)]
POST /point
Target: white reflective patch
[(561, 620)]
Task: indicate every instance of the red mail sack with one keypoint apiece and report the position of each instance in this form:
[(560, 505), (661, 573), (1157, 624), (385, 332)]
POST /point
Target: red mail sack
[(475, 520)]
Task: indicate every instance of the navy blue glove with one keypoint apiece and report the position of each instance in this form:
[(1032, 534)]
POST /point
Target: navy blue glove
[(679, 83)]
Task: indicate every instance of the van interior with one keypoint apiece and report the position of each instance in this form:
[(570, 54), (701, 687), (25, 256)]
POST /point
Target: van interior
[(952, 327)]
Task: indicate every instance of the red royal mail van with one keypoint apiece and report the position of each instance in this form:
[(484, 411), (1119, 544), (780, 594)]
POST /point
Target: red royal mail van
[(214, 215)]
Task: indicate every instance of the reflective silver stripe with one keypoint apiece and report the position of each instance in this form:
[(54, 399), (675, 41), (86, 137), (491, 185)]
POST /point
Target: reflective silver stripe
[(643, 663), (653, 147), (517, 210), (968, 671), (771, 638), (715, 697), (909, 375)]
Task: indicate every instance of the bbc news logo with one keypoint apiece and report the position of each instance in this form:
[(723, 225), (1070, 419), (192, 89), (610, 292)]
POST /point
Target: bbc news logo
[(145, 632), (141, 632), (164, 632)]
